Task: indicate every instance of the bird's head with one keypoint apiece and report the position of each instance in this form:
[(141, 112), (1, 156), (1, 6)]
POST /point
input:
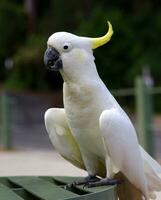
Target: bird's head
[(70, 53)]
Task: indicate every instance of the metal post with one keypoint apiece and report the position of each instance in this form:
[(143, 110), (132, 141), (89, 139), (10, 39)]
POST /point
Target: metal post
[(144, 114), (5, 122), (149, 113)]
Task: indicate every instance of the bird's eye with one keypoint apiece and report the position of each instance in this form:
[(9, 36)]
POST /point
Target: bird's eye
[(67, 47)]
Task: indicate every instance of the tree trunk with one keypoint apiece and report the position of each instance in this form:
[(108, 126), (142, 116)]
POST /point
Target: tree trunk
[(30, 7)]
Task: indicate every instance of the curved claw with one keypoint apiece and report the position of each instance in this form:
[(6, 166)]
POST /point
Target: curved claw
[(70, 185), (103, 182)]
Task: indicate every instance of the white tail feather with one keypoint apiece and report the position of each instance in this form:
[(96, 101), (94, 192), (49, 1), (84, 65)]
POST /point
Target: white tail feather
[(152, 171), (150, 161)]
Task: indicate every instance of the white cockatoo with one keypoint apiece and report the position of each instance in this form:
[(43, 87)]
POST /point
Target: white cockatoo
[(92, 131)]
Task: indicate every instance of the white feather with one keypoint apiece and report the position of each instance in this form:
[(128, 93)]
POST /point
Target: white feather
[(61, 137), (123, 147)]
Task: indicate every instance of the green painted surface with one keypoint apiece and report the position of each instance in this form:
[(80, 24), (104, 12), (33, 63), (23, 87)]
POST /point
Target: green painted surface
[(41, 188), (51, 188), (8, 194)]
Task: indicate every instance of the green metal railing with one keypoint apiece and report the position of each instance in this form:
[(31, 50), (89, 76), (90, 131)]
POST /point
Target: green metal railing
[(5, 122), (51, 188), (144, 110)]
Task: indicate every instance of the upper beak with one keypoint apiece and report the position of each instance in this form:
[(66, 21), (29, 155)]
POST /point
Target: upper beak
[(52, 59)]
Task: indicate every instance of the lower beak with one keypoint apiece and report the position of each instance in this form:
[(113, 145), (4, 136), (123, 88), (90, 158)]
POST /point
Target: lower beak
[(52, 59)]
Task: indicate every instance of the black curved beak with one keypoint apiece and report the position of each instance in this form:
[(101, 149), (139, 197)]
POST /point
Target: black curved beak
[(52, 59)]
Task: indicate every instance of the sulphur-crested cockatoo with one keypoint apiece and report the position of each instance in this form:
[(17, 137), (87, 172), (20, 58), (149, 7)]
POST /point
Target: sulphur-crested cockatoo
[(92, 130)]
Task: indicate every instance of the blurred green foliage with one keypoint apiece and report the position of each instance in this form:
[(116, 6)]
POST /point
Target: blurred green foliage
[(12, 28), (27, 72), (135, 43)]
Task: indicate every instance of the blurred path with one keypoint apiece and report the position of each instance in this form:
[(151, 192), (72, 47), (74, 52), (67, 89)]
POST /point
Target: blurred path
[(35, 162)]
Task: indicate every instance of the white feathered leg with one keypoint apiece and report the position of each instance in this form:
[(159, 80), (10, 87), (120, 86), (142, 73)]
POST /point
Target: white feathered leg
[(64, 142)]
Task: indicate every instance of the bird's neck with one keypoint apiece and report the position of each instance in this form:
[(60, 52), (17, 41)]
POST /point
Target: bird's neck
[(80, 75)]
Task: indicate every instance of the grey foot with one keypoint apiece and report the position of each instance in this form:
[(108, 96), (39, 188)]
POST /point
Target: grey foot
[(85, 181), (103, 182)]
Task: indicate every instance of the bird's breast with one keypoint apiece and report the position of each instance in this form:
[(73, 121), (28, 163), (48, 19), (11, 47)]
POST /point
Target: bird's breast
[(83, 116), (80, 105)]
